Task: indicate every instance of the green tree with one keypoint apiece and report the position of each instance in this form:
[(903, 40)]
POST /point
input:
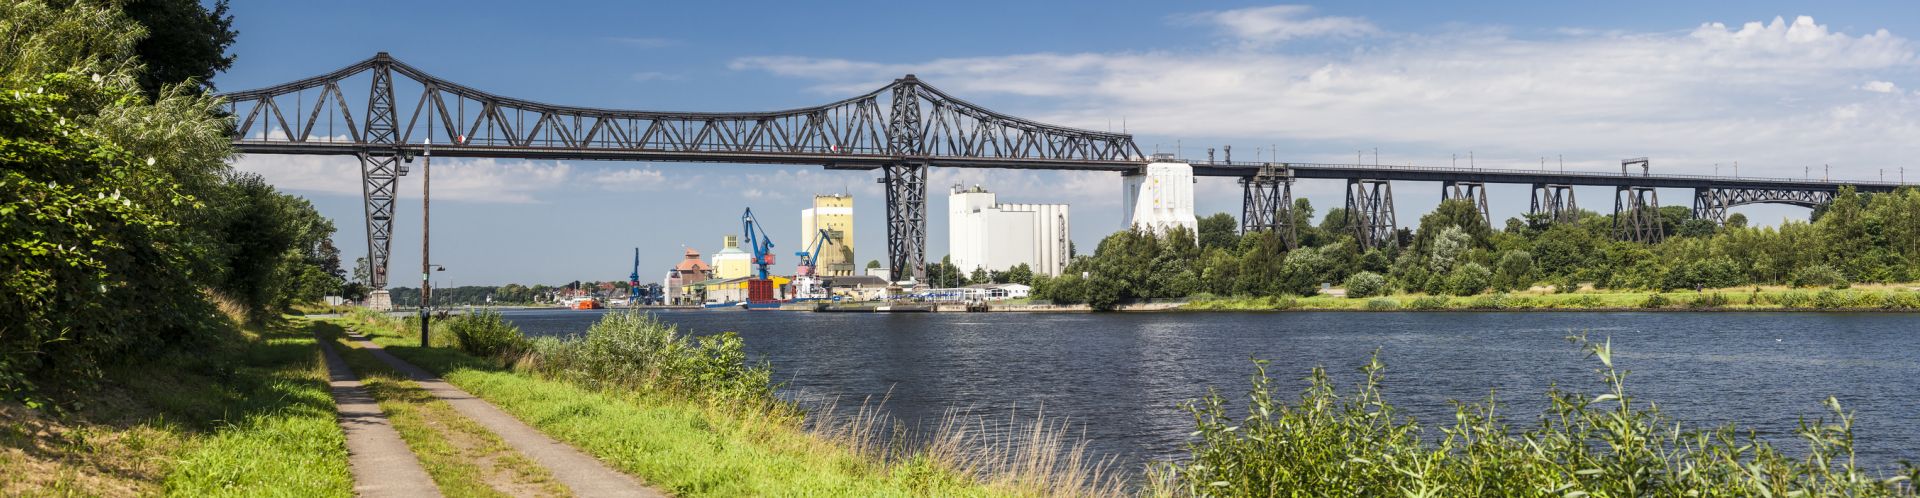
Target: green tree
[(1219, 230), (185, 42)]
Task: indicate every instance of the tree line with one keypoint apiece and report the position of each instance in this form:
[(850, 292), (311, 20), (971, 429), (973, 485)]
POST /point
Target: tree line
[(124, 233), (1867, 238)]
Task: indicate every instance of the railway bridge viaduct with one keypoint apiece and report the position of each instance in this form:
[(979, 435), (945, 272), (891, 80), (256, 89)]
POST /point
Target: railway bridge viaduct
[(386, 112)]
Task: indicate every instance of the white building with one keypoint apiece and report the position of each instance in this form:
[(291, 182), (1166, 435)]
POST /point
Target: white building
[(983, 233), (1161, 197)]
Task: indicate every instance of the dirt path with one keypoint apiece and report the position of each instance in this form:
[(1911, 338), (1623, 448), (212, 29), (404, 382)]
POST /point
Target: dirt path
[(581, 473), (381, 463)]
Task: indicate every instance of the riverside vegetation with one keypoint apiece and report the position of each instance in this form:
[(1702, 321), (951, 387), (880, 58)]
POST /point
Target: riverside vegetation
[(141, 278), (1858, 239)]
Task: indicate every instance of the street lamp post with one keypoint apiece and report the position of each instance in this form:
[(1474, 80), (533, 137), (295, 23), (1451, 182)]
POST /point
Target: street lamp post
[(426, 268)]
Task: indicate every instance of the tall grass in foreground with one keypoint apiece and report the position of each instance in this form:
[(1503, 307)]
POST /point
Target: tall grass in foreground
[(1029, 456), (1357, 444)]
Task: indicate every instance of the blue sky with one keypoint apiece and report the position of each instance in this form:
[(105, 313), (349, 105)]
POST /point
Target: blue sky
[(1690, 84)]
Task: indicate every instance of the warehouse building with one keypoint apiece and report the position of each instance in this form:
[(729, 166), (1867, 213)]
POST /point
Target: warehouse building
[(984, 234), (833, 213)]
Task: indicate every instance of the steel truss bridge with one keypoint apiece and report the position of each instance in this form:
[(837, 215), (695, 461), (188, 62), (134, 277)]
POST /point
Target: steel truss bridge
[(383, 111)]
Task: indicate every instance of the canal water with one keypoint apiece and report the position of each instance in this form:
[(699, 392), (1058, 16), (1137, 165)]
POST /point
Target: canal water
[(1121, 377)]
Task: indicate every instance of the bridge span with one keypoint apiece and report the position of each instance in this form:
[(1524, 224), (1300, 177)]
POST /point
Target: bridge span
[(386, 112)]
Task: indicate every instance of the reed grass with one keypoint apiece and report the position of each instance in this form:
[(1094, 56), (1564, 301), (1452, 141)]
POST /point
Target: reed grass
[(1333, 443)]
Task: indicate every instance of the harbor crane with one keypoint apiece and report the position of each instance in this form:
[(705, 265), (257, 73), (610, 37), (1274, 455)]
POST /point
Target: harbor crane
[(811, 257), (759, 287)]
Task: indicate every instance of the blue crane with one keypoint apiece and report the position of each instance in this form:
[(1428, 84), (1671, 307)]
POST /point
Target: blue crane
[(760, 245), (633, 281), (811, 257)]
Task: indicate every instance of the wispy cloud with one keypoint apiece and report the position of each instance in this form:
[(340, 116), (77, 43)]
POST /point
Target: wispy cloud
[(467, 180), (1256, 26)]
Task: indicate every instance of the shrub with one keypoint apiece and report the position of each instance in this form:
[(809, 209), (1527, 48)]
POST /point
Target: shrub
[(1366, 284), (1832, 299), (1382, 304), (1586, 301), (1707, 300), (1497, 301), (1428, 303), (1469, 279), (632, 350), (1791, 299), (1655, 300), (1816, 276), (1566, 285), (484, 334)]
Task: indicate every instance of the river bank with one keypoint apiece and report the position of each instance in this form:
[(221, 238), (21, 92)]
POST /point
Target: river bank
[(1865, 298)]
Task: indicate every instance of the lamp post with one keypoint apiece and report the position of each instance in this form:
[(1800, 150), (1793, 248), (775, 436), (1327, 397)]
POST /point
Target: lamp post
[(426, 268)]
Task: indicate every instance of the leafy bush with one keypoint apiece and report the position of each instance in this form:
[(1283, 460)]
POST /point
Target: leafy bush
[(1586, 301), (1428, 303), (1382, 304), (632, 350), (1469, 279), (484, 334), (1707, 300), (1366, 284), (1497, 301), (1655, 300), (1792, 299), (1833, 299), (1817, 276), (1334, 442)]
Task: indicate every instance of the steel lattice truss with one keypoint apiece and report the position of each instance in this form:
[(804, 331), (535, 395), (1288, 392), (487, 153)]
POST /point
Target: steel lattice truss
[(1370, 213), (905, 121), (1712, 203), (1267, 204)]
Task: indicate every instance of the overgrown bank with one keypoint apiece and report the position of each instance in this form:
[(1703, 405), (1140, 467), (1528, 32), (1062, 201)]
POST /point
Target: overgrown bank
[(1893, 298), (246, 417)]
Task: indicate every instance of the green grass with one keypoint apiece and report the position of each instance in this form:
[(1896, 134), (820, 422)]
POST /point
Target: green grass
[(1876, 298), (686, 446), (250, 418), (462, 457)]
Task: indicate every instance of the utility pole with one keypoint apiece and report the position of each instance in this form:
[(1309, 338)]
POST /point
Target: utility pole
[(426, 266)]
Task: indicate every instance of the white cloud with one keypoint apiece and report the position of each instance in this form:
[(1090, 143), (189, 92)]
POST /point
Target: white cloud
[(1773, 95), (1880, 87), (471, 180), (628, 180), (1278, 23)]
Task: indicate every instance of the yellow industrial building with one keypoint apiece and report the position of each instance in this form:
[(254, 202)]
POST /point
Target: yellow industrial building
[(833, 213), (731, 261)]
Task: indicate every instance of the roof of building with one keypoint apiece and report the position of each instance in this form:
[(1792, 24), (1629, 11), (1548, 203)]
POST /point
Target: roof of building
[(856, 281), (730, 251), (1009, 285), (693, 263)]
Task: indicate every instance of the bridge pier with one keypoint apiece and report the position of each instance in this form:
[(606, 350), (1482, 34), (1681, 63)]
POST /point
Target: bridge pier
[(1474, 192), (1267, 203), (380, 171), (1555, 201), (1636, 215), (1370, 213), (906, 186)]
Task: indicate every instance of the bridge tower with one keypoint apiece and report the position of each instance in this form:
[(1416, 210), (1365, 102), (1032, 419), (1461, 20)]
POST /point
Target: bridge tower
[(1370, 213), (1636, 215), (906, 185), (1555, 202), (380, 170), (1266, 203), (1474, 192)]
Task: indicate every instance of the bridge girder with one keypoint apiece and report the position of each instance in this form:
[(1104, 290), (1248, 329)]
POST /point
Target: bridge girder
[(901, 128), (1711, 203), (1474, 192)]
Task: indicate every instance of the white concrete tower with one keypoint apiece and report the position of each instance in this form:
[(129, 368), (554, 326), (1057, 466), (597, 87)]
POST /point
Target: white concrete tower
[(1161, 197)]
